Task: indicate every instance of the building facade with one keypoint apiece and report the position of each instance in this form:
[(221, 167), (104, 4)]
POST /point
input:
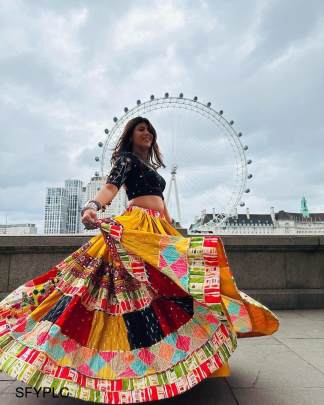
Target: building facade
[(18, 229), (279, 223), (75, 199), (63, 205), (56, 211)]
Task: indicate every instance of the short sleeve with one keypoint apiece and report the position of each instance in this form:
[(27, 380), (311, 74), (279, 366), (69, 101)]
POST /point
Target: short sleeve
[(119, 171)]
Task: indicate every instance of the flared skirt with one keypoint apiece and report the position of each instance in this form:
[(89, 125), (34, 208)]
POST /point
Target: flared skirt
[(137, 313)]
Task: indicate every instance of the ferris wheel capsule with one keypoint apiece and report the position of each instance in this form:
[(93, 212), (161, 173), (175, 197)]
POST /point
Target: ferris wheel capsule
[(100, 144)]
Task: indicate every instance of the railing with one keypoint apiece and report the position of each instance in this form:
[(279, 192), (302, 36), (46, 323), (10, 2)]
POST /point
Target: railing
[(280, 271)]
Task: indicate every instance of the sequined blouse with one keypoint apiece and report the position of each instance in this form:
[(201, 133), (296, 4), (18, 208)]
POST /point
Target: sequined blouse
[(138, 177)]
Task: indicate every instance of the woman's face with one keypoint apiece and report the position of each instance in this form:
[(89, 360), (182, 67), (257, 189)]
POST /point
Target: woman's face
[(141, 136)]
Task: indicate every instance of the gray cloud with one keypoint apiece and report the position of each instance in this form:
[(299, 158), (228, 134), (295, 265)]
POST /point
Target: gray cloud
[(68, 67)]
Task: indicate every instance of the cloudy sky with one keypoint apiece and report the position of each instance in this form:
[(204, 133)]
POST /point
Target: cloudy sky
[(68, 67)]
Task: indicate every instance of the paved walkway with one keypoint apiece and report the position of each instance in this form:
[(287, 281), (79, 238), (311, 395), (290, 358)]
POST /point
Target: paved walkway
[(286, 368)]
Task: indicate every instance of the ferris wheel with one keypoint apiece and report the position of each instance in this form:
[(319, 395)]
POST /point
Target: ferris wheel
[(188, 145)]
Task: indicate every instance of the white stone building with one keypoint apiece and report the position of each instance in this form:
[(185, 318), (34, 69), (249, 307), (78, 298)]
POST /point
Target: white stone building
[(279, 223), (18, 229)]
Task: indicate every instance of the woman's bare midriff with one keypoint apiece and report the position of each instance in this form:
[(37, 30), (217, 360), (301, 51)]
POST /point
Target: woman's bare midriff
[(154, 202)]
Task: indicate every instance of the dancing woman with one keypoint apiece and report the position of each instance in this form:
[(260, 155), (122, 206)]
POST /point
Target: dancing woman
[(139, 312)]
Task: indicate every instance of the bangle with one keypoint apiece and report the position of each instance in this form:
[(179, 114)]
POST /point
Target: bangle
[(93, 204), (97, 203)]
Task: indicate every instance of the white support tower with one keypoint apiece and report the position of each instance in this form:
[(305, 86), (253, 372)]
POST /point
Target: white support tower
[(174, 181)]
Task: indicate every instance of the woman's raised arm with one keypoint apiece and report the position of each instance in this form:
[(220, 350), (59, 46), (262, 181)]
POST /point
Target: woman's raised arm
[(106, 194)]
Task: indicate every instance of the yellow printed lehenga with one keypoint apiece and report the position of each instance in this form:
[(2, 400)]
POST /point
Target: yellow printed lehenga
[(138, 313)]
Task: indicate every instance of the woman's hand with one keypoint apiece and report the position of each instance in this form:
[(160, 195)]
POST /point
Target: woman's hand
[(89, 218)]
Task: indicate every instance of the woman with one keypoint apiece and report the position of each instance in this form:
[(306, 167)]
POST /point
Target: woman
[(139, 312)]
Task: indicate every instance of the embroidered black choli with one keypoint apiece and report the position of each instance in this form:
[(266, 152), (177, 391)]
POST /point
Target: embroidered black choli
[(138, 177)]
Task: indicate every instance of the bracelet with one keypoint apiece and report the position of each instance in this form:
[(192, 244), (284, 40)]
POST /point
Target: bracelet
[(93, 204), (97, 203)]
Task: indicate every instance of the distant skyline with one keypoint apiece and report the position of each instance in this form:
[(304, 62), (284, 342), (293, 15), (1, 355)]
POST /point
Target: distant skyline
[(67, 68)]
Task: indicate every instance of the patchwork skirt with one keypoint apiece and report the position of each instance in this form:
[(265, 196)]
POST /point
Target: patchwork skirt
[(138, 313)]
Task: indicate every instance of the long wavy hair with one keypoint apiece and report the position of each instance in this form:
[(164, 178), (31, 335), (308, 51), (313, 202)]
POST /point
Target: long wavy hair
[(125, 144)]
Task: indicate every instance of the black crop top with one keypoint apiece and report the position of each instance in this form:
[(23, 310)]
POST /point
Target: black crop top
[(139, 177)]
